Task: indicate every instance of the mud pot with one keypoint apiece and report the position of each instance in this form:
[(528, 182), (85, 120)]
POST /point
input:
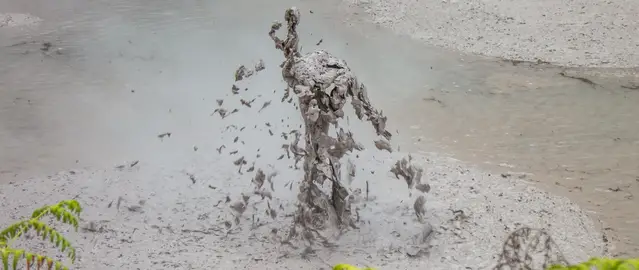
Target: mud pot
[(133, 110)]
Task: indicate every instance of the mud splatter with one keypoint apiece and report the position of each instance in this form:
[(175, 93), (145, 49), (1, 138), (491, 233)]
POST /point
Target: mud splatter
[(221, 111), (420, 202), (165, 134), (247, 103), (323, 84), (266, 104), (260, 66), (411, 174), (242, 72), (383, 145)]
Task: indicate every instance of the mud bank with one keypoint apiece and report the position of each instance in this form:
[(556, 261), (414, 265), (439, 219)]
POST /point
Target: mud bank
[(566, 33), (145, 217)]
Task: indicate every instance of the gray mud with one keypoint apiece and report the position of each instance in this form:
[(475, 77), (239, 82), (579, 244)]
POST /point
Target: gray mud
[(567, 33), (150, 217), (18, 20)]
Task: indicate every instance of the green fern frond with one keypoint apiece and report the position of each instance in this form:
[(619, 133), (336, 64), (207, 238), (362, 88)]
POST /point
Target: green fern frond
[(67, 211), (43, 230), (56, 238), (10, 232)]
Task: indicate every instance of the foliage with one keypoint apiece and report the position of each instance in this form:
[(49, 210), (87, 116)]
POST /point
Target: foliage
[(343, 266), (602, 264), (67, 211)]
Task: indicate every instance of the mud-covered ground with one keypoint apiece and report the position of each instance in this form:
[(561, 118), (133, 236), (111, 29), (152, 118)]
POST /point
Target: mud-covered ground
[(18, 20), (149, 217), (98, 111), (567, 33)]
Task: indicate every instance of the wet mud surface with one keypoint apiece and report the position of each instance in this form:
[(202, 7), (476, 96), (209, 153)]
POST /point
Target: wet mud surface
[(575, 137)]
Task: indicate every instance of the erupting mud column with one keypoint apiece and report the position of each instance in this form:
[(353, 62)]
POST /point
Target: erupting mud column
[(322, 83)]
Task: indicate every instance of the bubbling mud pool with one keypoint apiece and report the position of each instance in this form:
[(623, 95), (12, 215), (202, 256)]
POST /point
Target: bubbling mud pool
[(125, 75)]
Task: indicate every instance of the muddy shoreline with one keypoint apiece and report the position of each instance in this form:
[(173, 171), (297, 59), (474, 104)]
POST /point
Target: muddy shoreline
[(575, 33), (572, 134)]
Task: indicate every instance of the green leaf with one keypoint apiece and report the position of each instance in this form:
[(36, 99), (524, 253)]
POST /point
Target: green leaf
[(17, 255), (5, 258), (44, 233), (52, 236), (29, 257), (39, 212), (49, 263), (12, 231), (72, 256), (36, 225), (74, 206), (40, 260), (64, 244), (66, 211)]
